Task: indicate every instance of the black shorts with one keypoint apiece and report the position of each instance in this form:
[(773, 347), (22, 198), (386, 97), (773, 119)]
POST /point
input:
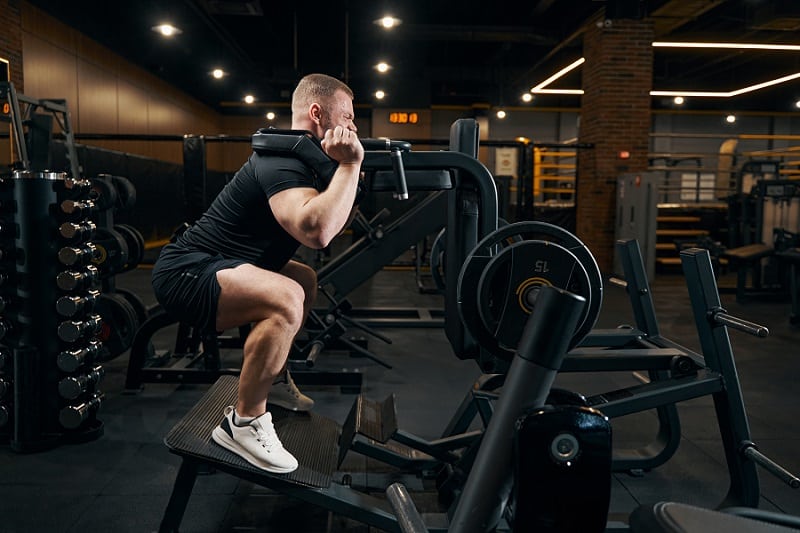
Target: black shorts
[(185, 284)]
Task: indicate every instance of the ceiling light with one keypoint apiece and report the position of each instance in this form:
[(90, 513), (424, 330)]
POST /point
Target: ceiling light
[(380, 95), (249, 99), (569, 68), (527, 97), (218, 73), (167, 30), (730, 119), (557, 91), (735, 46), (797, 104), (540, 88), (678, 100), (382, 67), (728, 94), (388, 22), (501, 114), (270, 116)]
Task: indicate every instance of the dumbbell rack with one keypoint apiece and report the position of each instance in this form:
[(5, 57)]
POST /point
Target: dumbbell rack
[(48, 373)]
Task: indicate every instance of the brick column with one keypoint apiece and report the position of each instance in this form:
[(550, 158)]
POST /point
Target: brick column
[(11, 39), (615, 117)]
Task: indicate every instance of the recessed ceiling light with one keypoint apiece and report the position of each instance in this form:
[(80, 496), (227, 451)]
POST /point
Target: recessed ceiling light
[(501, 114), (797, 103), (380, 95), (382, 67), (218, 73), (730, 119), (527, 97), (678, 100), (388, 22), (249, 99), (167, 30), (270, 116)]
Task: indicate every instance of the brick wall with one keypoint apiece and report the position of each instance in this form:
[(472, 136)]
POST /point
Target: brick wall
[(615, 117), (11, 39)]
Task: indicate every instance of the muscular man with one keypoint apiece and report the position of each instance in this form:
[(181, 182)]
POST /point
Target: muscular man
[(234, 266)]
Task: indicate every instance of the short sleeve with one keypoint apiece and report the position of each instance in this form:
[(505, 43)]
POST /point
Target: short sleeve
[(276, 174)]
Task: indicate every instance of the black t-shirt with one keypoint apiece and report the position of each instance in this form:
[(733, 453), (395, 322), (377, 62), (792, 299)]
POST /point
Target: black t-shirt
[(239, 224)]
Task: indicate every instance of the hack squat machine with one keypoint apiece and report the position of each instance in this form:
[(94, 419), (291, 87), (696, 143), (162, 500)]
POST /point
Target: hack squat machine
[(522, 301)]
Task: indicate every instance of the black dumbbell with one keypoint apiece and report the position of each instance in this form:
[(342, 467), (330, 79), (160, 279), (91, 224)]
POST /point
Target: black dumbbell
[(5, 387), (77, 209), (71, 256), (6, 327), (72, 305), (72, 280), (72, 330), (72, 416), (71, 360), (73, 386), (78, 185), (77, 232), (5, 358), (5, 414)]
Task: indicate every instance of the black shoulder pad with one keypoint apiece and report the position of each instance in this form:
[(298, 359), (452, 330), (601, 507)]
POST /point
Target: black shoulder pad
[(299, 144)]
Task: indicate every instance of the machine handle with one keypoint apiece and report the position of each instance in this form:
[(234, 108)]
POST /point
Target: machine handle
[(720, 317), (401, 188), (408, 517), (752, 453), (377, 145), (316, 348)]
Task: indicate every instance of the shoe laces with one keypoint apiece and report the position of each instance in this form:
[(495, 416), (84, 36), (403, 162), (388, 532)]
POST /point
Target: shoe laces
[(265, 436), (288, 382)]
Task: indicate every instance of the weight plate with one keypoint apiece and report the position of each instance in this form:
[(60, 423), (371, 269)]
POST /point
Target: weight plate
[(103, 192), (437, 259), (112, 251), (119, 324), (135, 242), (510, 282), (140, 310), (126, 192), (492, 245)]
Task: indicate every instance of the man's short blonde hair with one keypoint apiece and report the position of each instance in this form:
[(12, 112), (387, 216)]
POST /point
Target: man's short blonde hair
[(316, 88)]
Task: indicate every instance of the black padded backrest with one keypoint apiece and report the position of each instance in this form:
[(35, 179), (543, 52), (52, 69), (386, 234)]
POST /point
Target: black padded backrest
[(462, 236), (464, 136)]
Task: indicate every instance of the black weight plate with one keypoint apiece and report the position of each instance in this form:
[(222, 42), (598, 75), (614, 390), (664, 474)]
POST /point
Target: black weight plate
[(135, 243), (491, 245), (112, 251), (103, 192), (509, 284), (119, 324), (437, 259), (126, 192), (140, 310)]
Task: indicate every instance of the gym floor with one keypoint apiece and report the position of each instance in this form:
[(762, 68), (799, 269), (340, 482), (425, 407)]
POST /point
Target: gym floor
[(122, 481)]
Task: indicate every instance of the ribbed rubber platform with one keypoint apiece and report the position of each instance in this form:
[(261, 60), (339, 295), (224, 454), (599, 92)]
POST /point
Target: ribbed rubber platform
[(311, 438)]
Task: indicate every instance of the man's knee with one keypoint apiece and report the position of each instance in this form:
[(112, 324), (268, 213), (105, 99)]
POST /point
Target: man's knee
[(290, 304)]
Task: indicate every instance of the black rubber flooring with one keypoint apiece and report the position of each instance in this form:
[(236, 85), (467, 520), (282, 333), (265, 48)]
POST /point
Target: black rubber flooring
[(122, 481)]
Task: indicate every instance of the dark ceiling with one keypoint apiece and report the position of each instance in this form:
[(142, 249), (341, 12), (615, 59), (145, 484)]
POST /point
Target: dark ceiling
[(443, 53)]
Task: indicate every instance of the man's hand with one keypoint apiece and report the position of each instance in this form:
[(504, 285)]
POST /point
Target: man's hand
[(343, 146)]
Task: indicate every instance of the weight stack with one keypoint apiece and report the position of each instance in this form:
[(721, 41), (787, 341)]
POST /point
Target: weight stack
[(49, 317)]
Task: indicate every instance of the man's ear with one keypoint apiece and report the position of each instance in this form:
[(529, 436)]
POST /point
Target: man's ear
[(315, 113)]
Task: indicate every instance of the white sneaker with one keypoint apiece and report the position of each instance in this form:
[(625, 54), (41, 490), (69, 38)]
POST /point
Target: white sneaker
[(284, 393), (257, 443)]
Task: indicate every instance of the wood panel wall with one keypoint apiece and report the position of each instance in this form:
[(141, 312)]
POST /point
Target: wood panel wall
[(107, 94)]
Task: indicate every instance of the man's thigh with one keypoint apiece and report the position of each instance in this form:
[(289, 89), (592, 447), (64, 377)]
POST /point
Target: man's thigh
[(250, 294)]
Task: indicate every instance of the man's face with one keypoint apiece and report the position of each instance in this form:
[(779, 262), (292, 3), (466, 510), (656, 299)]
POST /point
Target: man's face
[(338, 112)]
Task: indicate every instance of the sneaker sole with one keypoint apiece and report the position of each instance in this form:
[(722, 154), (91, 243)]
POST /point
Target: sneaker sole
[(223, 439)]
